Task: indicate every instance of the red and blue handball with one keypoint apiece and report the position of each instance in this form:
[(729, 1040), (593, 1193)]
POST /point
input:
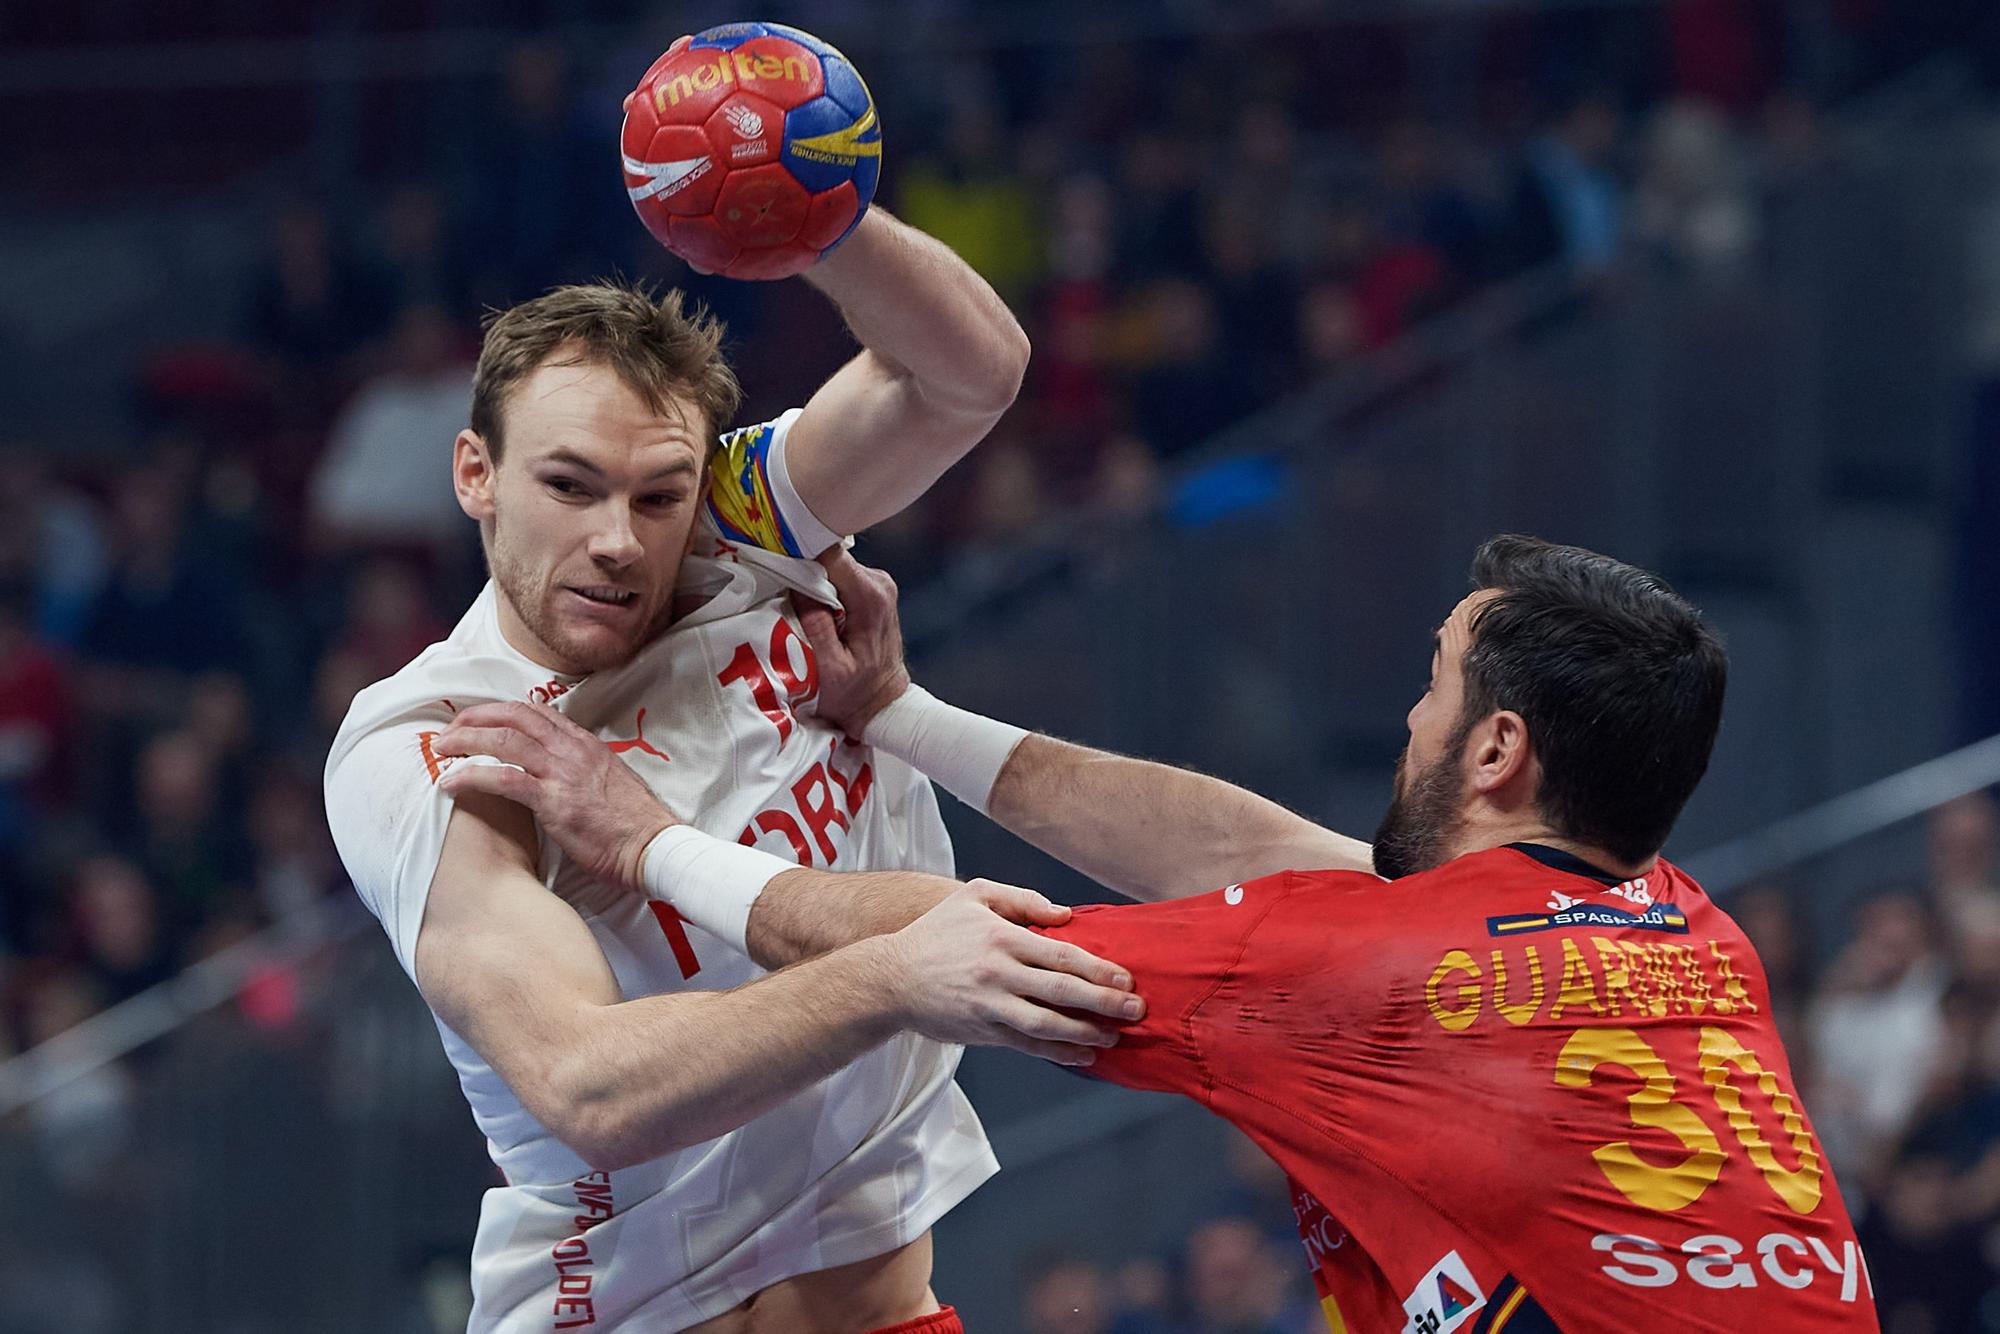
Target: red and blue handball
[(751, 149)]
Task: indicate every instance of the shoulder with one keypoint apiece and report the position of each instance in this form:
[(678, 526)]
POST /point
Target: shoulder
[(744, 499), (468, 666), (752, 500)]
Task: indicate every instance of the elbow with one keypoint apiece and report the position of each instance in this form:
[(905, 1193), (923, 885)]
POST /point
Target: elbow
[(595, 1121), (1010, 364), (594, 1134), (607, 1136), (1002, 365)]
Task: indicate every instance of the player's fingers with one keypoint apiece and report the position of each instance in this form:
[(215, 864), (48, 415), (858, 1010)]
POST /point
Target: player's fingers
[(867, 595), (1061, 1053), (1017, 904), (1059, 956), (1045, 1025), (823, 634), (497, 780), (842, 569), (1073, 993), (535, 720), (502, 743)]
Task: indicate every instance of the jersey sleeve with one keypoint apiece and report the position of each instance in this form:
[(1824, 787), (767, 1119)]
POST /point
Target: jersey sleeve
[(1179, 953), (388, 819), (753, 501)]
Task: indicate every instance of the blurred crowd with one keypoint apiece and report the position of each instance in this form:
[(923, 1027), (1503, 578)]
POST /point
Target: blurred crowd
[(186, 629), (181, 633)]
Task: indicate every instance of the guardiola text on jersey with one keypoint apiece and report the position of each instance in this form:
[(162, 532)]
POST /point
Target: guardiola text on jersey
[(1512, 1094)]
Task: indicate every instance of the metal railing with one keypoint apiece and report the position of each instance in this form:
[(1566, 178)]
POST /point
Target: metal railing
[(119, 1030)]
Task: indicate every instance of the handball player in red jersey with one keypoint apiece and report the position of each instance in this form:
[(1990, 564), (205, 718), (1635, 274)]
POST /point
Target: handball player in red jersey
[(1523, 1075)]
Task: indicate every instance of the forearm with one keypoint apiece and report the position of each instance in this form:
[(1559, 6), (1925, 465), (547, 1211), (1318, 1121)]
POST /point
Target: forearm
[(1152, 831), (924, 311), (805, 912), (647, 1077), (1149, 831)]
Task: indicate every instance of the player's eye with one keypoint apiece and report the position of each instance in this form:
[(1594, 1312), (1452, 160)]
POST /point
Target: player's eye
[(662, 500), (565, 486)]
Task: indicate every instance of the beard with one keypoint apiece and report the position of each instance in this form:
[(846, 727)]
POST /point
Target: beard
[(534, 593), (1422, 819)]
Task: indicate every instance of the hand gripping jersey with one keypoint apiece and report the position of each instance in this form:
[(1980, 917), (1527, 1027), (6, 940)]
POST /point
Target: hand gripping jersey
[(717, 716), (1512, 1094)]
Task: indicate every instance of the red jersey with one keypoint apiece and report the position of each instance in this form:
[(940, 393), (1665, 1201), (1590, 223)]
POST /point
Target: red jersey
[(1512, 1094)]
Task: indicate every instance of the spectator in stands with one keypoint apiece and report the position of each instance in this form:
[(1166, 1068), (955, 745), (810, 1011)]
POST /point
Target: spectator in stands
[(164, 615), (1963, 847), (1928, 1267), (220, 716), (1329, 329), (81, 1126), (385, 479), (1236, 1281), (1065, 1294), (312, 307), (1070, 392), (115, 915), (37, 722), (530, 215), (1258, 352), (1158, 205), (1693, 204), (1769, 915), (51, 538), (970, 196), (1183, 390), (293, 864), (1421, 201), (1288, 189), (389, 618), (184, 839), (1567, 203), (423, 264), (1876, 1031)]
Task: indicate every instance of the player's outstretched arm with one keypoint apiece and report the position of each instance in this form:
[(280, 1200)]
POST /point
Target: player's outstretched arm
[(1146, 830), (514, 970), (942, 357)]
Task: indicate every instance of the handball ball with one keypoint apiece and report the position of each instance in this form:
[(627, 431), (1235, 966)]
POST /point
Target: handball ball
[(751, 149)]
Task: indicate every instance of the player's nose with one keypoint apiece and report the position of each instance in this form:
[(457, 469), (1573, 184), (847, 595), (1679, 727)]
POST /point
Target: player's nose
[(614, 541)]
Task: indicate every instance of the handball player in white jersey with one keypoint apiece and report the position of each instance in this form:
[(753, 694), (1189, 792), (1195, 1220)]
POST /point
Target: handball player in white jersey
[(687, 1141)]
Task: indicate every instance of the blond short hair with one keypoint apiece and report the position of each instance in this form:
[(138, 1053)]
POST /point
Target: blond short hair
[(668, 354)]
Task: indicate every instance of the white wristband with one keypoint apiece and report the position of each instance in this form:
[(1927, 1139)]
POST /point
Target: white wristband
[(962, 750), (708, 881)]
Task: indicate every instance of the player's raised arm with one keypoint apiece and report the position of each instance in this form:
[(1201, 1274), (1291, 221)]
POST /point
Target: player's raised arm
[(1146, 830), (941, 358)]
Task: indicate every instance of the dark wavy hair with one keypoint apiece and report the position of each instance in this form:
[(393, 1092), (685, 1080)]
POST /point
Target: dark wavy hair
[(1617, 676)]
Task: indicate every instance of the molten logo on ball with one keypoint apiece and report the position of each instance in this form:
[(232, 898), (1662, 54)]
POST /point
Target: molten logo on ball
[(751, 149), (736, 67)]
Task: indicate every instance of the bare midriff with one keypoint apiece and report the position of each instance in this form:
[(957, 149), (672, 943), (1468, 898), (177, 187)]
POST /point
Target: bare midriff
[(851, 1299)]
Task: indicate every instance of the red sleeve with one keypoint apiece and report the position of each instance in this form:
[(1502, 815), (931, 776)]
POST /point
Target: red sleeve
[(1178, 952)]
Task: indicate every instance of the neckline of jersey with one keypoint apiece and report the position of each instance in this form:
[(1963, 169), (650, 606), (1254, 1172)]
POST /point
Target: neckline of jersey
[(1557, 859)]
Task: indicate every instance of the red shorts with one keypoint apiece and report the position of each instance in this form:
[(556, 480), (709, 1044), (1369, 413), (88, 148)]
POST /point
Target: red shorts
[(937, 1322)]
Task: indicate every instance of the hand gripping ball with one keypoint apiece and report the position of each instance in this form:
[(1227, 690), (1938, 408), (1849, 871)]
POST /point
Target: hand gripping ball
[(751, 149)]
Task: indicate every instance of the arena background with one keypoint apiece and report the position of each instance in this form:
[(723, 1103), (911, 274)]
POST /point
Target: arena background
[(1321, 294)]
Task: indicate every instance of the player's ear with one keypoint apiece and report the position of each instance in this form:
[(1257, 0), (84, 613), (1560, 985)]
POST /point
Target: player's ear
[(700, 504), (1499, 752), (472, 475)]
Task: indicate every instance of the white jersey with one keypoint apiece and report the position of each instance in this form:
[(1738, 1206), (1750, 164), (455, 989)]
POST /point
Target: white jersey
[(717, 715)]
